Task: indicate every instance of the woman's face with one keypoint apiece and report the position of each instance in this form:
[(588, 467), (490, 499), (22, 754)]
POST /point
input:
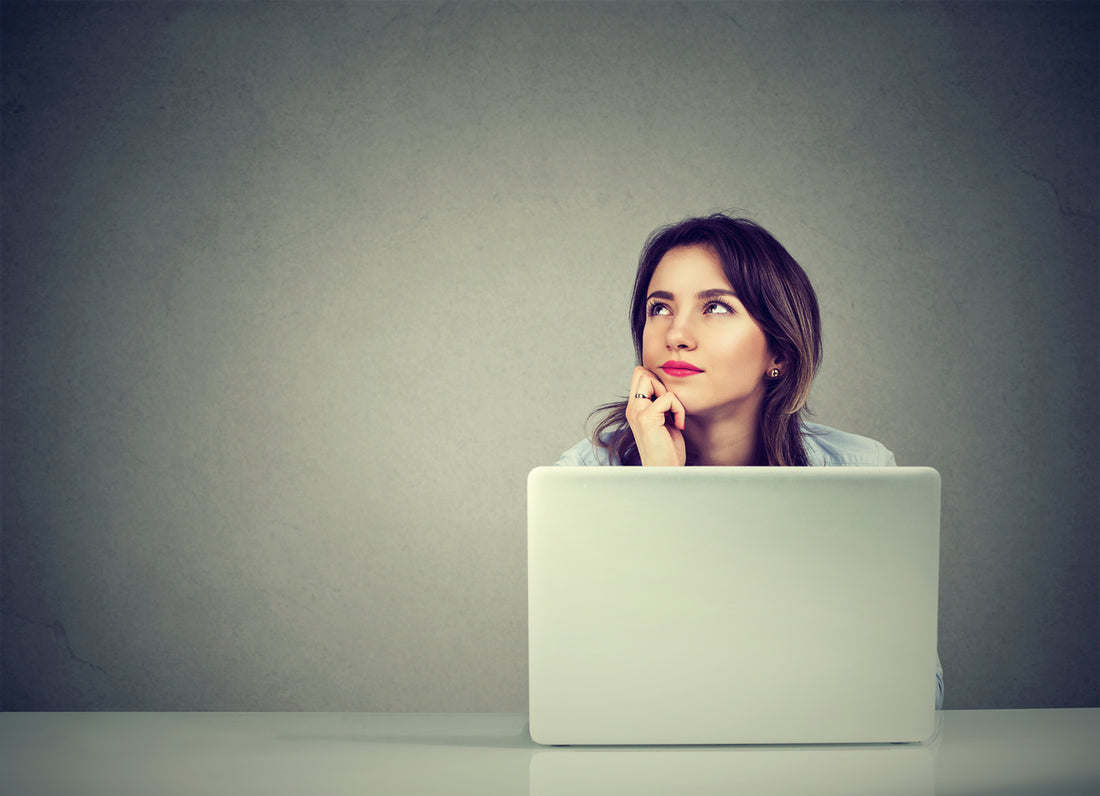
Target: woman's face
[(699, 339)]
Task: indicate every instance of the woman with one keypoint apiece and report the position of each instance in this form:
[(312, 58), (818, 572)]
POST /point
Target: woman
[(728, 336)]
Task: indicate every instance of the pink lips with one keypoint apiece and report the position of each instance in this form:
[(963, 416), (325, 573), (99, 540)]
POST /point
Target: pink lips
[(679, 369)]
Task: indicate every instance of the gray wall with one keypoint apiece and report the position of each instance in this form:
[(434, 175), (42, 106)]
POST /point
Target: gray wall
[(294, 295)]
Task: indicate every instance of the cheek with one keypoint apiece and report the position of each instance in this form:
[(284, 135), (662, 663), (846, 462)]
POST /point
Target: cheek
[(650, 347), (747, 351)]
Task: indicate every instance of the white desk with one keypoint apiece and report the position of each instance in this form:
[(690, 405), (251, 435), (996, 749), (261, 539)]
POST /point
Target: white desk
[(1040, 752)]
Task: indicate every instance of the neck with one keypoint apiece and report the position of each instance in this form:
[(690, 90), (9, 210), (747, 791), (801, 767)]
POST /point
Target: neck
[(728, 442)]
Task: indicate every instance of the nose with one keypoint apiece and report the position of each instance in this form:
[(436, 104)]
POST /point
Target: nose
[(680, 334)]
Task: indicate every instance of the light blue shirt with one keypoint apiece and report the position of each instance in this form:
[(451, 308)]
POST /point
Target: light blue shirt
[(825, 447)]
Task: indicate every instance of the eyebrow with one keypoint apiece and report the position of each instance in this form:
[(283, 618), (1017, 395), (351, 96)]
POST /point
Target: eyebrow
[(714, 292)]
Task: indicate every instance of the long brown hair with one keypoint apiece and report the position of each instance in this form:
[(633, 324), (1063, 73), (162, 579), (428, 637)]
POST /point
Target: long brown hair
[(777, 294)]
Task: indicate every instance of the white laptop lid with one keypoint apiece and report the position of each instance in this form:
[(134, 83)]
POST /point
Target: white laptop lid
[(714, 605)]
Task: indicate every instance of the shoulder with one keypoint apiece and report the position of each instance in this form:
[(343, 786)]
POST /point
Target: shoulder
[(830, 447), (585, 454)]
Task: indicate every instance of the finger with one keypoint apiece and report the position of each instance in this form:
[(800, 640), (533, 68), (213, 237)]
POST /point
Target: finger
[(663, 404), (657, 387), (679, 412), (668, 403), (643, 384)]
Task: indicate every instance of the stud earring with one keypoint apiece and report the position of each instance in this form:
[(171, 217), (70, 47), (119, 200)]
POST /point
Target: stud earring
[(775, 373)]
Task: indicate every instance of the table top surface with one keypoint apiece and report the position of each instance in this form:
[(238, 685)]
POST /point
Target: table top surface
[(999, 751)]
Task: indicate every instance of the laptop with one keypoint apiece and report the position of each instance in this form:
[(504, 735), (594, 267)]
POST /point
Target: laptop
[(732, 605)]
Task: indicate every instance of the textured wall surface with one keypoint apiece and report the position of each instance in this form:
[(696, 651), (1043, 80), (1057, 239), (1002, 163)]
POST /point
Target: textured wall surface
[(294, 295)]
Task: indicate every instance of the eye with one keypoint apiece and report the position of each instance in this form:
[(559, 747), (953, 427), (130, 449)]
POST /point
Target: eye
[(717, 308), (657, 308)]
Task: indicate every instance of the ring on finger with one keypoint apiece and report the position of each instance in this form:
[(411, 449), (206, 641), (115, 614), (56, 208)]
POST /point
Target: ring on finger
[(647, 397)]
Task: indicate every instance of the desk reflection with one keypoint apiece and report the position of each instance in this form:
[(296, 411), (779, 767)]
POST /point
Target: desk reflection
[(1014, 753)]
